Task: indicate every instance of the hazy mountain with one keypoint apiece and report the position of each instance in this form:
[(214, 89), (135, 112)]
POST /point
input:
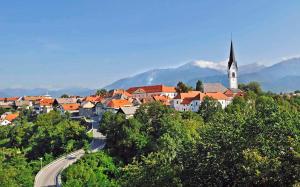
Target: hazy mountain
[(281, 77), (203, 70), (9, 92)]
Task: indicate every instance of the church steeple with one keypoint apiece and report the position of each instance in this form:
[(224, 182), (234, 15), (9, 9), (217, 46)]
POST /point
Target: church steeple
[(232, 69), (231, 57)]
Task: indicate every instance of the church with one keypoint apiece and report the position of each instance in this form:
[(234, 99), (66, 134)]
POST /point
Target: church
[(191, 101)]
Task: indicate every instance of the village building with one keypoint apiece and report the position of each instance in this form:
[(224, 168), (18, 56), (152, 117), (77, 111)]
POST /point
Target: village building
[(60, 101), (72, 108), (87, 109), (128, 111), (115, 104), (46, 105), (8, 118), (156, 90)]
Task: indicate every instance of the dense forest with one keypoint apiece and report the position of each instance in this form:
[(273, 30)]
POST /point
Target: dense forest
[(34, 139), (255, 141)]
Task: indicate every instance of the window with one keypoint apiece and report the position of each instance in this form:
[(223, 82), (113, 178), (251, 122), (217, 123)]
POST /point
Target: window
[(233, 75)]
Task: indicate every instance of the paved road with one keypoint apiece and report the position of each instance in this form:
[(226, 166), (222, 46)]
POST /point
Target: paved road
[(48, 175)]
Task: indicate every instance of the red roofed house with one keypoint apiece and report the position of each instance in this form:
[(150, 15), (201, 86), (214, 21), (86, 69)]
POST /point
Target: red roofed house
[(93, 99), (72, 108), (191, 101), (46, 105), (156, 90), (8, 118), (115, 104), (188, 101)]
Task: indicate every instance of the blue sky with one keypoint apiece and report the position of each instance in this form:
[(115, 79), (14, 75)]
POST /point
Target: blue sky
[(59, 43)]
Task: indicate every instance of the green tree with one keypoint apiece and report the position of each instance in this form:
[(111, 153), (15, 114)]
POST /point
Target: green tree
[(182, 88), (95, 169), (101, 92), (199, 86), (64, 96), (251, 86), (209, 107)]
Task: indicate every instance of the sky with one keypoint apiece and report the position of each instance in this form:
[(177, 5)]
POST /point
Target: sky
[(64, 43)]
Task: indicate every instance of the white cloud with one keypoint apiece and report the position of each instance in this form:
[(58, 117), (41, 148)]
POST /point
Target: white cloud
[(220, 66)]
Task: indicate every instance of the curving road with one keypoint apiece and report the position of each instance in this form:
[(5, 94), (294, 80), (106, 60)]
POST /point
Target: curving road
[(48, 175)]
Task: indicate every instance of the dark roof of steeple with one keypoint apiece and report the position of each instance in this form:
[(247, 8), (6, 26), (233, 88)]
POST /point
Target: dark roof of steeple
[(231, 57)]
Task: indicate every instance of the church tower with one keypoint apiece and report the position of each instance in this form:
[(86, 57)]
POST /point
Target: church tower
[(232, 69)]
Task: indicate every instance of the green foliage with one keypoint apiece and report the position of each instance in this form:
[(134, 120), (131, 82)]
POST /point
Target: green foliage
[(95, 169), (15, 170), (182, 88), (49, 136), (252, 86), (64, 96), (209, 107), (199, 86), (101, 92)]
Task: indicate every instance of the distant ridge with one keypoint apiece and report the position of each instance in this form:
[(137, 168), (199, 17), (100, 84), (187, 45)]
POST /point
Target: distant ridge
[(280, 77)]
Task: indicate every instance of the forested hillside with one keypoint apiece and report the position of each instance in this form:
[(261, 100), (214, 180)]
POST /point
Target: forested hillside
[(255, 141), (45, 137)]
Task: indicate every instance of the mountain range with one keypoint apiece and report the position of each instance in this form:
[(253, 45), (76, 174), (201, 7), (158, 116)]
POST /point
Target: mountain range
[(280, 77)]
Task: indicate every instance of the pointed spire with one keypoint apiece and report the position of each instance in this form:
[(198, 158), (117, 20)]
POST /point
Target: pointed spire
[(231, 57)]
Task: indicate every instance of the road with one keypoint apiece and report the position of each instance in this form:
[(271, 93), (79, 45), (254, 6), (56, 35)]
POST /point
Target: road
[(48, 175)]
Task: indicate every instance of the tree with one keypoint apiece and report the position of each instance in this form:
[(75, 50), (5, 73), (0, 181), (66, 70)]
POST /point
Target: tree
[(209, 107), (199, 86), (102, 92), (95, 169), (183, 88), (64, 96), (252, 86)]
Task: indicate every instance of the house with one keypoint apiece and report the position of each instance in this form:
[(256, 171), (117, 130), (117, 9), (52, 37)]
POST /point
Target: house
[(8, 118), (192, 100), (165, 100), (46, 105), (188, 101), (155, 90), (72, 108), (232, 92), (128, 111), (8, 102), (87, 109), (221, 98), (22, 104), (122, 94), (99, 109), (93, 99), (115, 104), (59, 101)]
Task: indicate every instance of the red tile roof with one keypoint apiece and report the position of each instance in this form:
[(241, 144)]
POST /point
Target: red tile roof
[(33, 98), (117, 103), (46, 102), (217, 95), (152, 89), (163, 99), (94, 99), (187, 98), (11, 117), (189, 94), (119, 91), (71, 106), (9, 99)]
